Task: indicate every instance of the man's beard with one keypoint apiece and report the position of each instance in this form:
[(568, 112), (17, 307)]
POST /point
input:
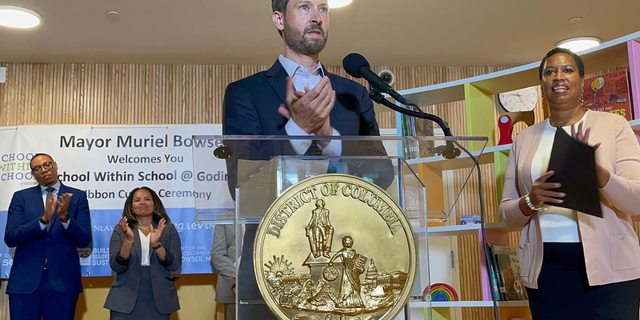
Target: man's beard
[(297, 42)]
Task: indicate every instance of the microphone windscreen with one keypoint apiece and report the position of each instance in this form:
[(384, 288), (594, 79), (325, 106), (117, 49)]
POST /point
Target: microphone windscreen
[(352, 64)]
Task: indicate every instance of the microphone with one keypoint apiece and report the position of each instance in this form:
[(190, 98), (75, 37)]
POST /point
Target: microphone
[(358, 67)]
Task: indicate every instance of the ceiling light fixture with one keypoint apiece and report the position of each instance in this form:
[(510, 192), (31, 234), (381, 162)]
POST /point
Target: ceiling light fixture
[(575, 19), (578, 44), (18, 17), (113, 16), (339, 3)]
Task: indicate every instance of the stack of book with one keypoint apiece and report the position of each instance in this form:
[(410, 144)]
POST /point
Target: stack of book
[(504, 266)]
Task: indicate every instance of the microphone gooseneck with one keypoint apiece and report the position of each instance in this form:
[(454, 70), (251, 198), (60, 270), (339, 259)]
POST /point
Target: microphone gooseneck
[(358, 67)]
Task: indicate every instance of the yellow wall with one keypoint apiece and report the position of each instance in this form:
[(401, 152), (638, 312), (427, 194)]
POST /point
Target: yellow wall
[(196, 293)]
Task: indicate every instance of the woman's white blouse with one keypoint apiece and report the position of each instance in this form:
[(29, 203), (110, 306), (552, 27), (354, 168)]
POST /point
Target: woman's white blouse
[(557, 224), (145, 244)]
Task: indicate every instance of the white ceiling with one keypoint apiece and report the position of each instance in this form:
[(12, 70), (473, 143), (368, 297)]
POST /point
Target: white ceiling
[(387, 32)]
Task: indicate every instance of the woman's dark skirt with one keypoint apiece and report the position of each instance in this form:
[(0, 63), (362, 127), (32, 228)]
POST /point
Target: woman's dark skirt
[(564, 292)]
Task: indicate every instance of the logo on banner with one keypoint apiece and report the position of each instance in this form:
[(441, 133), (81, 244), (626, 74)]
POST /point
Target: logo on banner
[(85, 256), (15, 167)]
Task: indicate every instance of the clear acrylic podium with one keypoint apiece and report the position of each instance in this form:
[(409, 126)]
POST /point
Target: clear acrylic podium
[(243, 176)]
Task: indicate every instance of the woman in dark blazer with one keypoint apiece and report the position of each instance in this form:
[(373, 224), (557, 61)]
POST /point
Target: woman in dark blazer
[(144, 250)]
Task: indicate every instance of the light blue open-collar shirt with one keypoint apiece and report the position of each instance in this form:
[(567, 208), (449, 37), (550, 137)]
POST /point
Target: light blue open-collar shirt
[(301, 78)]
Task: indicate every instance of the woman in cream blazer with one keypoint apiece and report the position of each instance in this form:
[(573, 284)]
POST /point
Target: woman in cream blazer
[(575, 265)]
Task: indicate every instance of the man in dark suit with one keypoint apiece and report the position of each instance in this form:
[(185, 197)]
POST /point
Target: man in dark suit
[(223, 259), (47, 224), (296, 96)]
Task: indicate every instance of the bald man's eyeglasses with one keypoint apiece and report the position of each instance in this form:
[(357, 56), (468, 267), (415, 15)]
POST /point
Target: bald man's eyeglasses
[(46, 166)]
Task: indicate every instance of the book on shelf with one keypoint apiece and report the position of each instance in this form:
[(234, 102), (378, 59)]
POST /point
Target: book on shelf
[(496, 284), (412, 132), (406, 131), (609, 93), (424, 128), (415, 127), (505, 267)]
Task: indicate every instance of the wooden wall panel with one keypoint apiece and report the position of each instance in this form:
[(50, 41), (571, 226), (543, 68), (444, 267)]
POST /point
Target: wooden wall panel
[(115, 93), (163, 94)]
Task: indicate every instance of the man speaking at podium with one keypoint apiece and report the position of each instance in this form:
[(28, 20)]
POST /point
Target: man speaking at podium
[(296, 96)]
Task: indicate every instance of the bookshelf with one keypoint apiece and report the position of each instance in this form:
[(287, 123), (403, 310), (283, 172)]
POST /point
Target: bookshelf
[(477, 94), (463, 304), (463, 161), (459, 230)]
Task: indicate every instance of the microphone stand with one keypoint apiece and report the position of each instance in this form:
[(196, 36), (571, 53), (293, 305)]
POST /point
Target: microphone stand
[(376, 95), (449, 153)]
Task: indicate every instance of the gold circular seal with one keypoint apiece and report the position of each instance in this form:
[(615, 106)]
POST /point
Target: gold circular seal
[(335, 247)]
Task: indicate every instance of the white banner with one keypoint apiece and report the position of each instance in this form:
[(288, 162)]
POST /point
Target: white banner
[(109, 161)]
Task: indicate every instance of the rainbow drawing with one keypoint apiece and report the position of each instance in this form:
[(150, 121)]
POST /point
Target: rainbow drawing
[(440, 292)]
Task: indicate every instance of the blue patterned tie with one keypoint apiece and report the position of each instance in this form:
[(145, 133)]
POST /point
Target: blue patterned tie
[(50, 191)]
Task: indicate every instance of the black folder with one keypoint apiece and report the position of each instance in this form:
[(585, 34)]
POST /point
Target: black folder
[(574, 164)]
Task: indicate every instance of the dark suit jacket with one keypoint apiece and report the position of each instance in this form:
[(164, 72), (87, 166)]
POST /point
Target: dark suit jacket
[(251, 105), (251, 108), (223, 258), (124, 289), (59, 246)]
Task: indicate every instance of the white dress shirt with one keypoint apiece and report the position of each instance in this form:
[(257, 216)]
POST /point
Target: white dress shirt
[(557, 224), (303, 78)]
